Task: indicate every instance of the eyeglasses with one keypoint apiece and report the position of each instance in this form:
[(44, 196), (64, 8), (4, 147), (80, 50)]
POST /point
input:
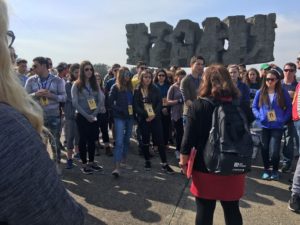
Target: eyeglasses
[(270, 79), (88, 69), (10, 38), (289, 70)]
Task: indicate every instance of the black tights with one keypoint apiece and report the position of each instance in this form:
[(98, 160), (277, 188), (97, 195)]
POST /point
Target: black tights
[(206, 208)]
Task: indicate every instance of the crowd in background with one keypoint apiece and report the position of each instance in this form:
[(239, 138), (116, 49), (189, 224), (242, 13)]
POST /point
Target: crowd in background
[(153, 106)]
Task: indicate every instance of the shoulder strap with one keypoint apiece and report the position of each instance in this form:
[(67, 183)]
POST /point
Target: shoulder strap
[(208, 100)]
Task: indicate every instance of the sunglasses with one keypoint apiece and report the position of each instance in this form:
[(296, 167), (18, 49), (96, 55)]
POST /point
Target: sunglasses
[(126, 74), (88, 69), (270, 79), (10, 36), (289, 70)]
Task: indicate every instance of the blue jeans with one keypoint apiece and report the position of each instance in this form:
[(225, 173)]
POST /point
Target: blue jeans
[(288, 147), (123, 129), (53, 124), (297, 128), (271, 139)]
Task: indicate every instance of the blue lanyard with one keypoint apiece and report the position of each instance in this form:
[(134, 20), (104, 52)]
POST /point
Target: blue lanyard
[(44, 83), (89, 90), (129, 97)]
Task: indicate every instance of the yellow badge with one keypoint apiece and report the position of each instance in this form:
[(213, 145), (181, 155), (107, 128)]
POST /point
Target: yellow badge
[(92, 103), (164, 101), (130, 110), (271, 116), (44, 101), (149, 109)]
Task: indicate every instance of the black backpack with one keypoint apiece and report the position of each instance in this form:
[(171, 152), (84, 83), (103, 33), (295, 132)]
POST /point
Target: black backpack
[(229, 147)]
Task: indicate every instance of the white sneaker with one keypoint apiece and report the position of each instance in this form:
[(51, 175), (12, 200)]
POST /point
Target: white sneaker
[(126, 166), (177, 155), (116, 173)]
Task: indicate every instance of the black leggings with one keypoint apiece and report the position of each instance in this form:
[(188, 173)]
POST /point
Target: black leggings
[(206, 208), (88, 134)]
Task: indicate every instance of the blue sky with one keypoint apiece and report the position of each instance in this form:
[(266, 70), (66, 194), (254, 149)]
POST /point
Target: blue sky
[(75, 30)]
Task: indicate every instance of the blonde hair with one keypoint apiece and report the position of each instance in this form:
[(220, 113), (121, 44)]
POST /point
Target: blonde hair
[(11, 91)]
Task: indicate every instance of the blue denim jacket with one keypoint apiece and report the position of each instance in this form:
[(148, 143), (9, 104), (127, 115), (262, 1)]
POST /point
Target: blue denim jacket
[(282, 115)]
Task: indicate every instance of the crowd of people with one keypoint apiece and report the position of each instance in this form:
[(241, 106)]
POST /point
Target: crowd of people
[(161, 107)]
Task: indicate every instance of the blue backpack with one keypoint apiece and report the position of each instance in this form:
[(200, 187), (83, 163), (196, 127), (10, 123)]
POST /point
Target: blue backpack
[(229, 147)]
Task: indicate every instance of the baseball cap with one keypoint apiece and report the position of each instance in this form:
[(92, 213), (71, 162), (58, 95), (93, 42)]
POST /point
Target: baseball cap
[(20, 60), (265, 66)]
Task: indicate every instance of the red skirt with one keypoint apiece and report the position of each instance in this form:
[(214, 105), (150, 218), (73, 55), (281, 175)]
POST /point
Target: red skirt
[(216, 187)]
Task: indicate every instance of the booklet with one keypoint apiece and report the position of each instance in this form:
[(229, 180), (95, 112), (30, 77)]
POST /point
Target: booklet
[(191, 162)]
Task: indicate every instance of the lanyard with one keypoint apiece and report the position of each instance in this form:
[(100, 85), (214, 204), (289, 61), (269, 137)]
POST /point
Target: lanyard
[(44, 83), (129, 97), (89, 90)]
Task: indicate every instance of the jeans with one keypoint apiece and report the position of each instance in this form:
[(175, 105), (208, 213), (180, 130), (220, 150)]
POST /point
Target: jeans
[(288, 147), (72, 135), (271, 140), (296, 180), (123, 129), (53, 125), (206, 208), (297, 128)]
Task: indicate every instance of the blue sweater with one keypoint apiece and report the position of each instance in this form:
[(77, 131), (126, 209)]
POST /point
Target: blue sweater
[(119, 101), (282, 115)]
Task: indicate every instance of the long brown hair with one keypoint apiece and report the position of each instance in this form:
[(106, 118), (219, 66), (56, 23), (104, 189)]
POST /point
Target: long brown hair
[(264, 96), (217, 83), (121, 83), (247, 79), (80, 82)]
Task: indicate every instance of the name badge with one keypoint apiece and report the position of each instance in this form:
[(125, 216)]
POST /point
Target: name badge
[(130, 110), (271, 116), (164, 101), (92, 104), (44, 101), (149, 109)]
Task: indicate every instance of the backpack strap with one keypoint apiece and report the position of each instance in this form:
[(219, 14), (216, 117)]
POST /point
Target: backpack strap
[(208, 100)]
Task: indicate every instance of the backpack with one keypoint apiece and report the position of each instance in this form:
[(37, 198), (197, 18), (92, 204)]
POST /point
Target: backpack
[(228, 150)]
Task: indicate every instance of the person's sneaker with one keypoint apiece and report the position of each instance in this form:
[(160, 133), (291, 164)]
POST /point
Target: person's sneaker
[(126, 166), (167, 169), (286, 168), (69, 164), (108, 151), (274, 175), (86, 170), (177, 155), (116, 173), (266, 175), (77, 156), (147, 165), (96, 167), (294, 203)]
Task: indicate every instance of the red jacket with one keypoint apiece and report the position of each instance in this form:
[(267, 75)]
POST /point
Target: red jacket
[(296, 104)]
